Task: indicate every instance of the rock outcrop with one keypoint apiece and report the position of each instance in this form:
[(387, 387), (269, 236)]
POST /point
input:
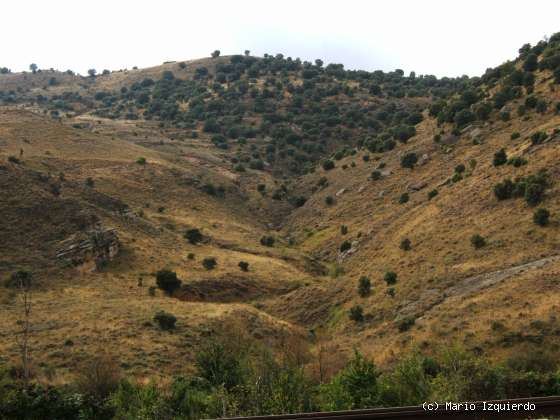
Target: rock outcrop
[(90, 250)]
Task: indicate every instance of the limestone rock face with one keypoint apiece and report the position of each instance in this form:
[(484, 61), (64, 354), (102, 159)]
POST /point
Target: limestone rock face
[(90, 250), (449, 139)]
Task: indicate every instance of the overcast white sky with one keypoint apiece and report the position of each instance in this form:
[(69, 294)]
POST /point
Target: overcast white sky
[(441, 37)]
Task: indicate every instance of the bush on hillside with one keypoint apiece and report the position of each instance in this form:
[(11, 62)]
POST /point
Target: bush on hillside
[(406, 323), (541, 106), (364, 286), (538, 137), (531, 62), (517, 161), (404, 198), (194, 236), (167, 281), (267, 241), (390, 278), (345, 246), (165, 320), (459, 169), (456, 177), (541, 216), (504, 190), (500, 158), (464, 117), (406, 244), (409, 160), (328, 165), (209, 263), (243, 265), (356, 313), (478, 241)]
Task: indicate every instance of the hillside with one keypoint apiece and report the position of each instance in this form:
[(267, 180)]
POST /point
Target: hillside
[(319, 178)]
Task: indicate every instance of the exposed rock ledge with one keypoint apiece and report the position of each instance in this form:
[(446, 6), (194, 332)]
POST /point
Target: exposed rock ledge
[(90, 250)]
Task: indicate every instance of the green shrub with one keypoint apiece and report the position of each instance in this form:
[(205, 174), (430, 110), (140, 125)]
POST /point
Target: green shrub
[(534, 193), (456, 177), (329, 200), (375, 175), (464, 117), (390, 278), (404, 132), (209, 263), (141, 161), (409, 160), (483, 111), (167, 281), (406, 323), (538, 137), (432, 194), (478, 241), (343, 230), (500, 158), (541, 216), (504, 190), (243, 265), (531, 62), (405, 244), (165, 320), (345, 246), (530, 102), (220, 362), (515, 135), (89, 182), (364, 286), (459, 169), (356, 313), (541, 106), (267, 241), (194, 236), (323, 182), (261, 188), (13, 159), (328, 165), (404, 198), (517, 161), (19, 279)]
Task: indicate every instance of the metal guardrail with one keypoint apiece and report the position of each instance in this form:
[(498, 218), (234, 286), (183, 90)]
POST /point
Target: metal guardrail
[(521, 408)]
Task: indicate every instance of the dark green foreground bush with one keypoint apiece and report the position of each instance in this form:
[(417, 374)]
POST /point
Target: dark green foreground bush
[(240, 377)]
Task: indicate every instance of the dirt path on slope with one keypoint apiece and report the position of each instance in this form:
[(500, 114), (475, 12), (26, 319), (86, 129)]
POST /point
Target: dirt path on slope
[(466, 287)]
